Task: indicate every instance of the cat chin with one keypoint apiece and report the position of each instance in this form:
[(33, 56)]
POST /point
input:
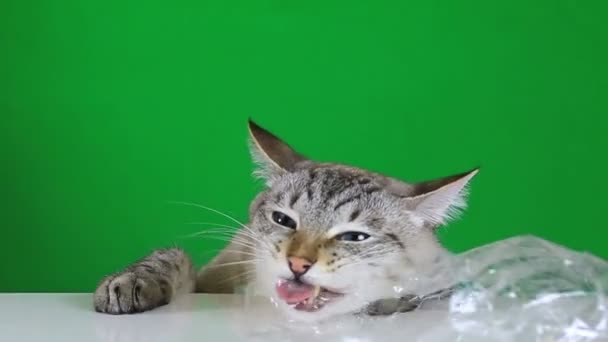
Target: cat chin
[(350, 303), (347, 304), (343, 306)]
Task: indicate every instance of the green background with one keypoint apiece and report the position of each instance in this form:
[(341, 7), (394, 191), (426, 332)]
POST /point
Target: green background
[(112, 109)]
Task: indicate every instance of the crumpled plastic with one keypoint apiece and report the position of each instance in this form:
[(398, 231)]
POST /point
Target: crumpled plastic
[(526, 288), (519, 289)]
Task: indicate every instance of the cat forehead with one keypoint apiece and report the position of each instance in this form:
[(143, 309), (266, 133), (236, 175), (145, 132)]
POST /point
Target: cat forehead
[(328, 196), (328, 182)]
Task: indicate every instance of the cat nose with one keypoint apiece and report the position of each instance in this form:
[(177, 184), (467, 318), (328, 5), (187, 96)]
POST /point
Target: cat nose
[(299, 265)]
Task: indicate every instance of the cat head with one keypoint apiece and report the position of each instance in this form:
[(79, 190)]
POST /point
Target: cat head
[(333, 238)]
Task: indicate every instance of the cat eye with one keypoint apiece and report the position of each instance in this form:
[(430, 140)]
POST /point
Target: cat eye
[(284, 220), (353, 236)]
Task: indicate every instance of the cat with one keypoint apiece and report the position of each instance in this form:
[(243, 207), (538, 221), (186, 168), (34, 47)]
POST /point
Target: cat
[(323, 239)]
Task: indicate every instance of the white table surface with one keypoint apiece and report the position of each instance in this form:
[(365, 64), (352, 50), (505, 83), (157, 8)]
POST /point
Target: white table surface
[(196, 317)]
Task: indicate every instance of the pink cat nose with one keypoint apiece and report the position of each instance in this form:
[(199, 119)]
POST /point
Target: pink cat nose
[(299, 265)]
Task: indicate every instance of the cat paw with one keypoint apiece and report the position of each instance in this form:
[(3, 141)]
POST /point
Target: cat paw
[(128, 292)]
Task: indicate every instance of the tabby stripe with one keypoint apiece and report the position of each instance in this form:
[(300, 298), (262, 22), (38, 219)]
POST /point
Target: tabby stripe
[(346, 201), (394, 237), (294, 198), (354, 215)]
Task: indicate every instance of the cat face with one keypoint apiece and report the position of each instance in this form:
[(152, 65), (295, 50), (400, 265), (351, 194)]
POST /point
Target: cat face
[(334, 238)]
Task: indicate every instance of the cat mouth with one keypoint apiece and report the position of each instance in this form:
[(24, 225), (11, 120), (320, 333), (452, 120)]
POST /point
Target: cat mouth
[(305, 297)]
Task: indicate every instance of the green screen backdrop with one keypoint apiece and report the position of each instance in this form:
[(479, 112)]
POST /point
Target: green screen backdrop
[(112, 109)]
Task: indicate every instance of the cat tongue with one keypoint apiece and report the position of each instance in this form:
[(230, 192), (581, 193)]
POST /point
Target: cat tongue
[(294, 292)]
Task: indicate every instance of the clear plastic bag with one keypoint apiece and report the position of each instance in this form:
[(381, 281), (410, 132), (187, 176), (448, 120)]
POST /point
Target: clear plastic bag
[(528, 289), (519, 289)]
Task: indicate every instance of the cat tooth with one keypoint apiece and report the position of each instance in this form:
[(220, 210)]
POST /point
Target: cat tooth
[(317, 291)]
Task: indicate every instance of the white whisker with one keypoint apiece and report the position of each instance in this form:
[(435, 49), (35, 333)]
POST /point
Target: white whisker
[(242, 274), (252, 234), (245, 262), (212, 210), (245, 244), (213, 224)]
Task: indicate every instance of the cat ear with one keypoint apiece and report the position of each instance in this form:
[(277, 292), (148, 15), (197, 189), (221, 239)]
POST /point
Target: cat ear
[(436, 202), (272, 155)]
